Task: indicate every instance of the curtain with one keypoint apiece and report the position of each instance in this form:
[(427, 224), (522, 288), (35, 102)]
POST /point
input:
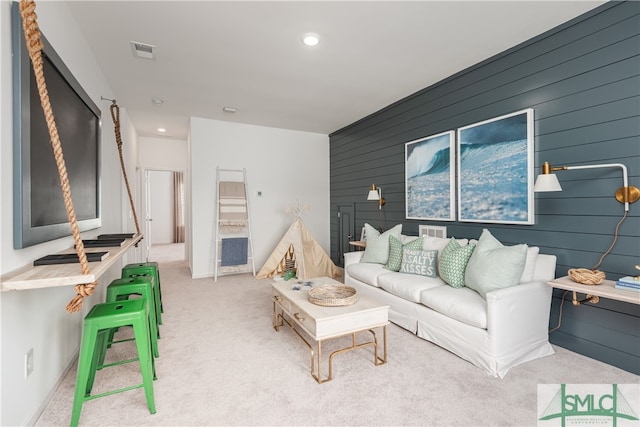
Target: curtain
[(178, 207)]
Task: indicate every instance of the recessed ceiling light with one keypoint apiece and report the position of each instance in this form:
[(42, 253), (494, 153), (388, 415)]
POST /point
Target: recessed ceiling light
[(311, 39), (157, 101), (162, 130), (229, 109)]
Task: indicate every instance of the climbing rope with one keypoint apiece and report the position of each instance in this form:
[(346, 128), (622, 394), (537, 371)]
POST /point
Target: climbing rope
[(115, 116), (34, 45)]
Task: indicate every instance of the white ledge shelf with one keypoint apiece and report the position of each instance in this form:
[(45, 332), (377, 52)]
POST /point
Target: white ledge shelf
[(48, 276), (606, 289)]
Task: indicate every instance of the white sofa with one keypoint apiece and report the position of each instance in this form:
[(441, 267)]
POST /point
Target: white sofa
[(507, 328)]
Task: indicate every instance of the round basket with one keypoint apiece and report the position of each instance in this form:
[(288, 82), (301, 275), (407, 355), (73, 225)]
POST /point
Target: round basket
[(333, 295), (586, 276)]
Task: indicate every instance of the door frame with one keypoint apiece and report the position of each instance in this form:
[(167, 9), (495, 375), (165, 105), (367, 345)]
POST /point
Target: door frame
[(346, 212), (146, 206)]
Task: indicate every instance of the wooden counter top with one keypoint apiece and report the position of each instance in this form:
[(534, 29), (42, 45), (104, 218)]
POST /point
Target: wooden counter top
[(47, 276)]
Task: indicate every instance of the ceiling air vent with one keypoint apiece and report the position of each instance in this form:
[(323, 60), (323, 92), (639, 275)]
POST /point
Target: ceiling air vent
[(143, 50)]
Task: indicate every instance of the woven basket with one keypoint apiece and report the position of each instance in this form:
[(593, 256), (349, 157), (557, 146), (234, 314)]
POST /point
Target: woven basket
[(333, 295), (586, 276)]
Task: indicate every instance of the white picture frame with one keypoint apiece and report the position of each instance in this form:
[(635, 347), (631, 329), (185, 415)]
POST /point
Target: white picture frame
[(430, 177), (495, 170)]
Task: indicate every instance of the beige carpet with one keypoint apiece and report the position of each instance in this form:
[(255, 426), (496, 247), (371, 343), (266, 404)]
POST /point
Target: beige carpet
[(222, 363)]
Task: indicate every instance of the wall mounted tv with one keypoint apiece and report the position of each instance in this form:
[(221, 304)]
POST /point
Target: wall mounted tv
[(38, 206)]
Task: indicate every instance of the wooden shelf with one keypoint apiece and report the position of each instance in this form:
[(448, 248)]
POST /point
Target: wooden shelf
[(360, 244), (47, 276), (606, 289)]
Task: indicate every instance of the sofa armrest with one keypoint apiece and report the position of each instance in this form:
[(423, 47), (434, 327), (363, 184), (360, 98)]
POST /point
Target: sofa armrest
[(352, 257), (518, 315), (349, 259)]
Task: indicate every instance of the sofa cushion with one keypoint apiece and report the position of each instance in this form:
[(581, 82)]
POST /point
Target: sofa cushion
[(366, 272), (494, 266), (407, 286), (396, 249), (462, 304), (530, 264), (407, 239), (377, 249), (453, 263), (439, 243), (419, 262)]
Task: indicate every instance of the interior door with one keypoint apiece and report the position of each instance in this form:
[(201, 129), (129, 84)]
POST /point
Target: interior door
[(346, 229), (147, 212)]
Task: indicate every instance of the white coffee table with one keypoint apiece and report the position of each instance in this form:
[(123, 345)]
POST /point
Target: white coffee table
[(321, 323)]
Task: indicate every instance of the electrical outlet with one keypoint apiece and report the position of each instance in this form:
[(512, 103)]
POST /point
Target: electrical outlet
[(28, 363)]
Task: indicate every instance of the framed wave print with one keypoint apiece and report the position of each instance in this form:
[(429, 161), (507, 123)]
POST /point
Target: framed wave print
[(495, 170), (430, 177)]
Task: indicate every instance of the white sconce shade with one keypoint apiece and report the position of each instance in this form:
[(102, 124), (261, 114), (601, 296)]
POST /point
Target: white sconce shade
[(375, 193), (547, 182)]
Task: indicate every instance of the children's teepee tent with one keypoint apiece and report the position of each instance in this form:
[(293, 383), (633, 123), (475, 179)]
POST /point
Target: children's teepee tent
[(298, 249)]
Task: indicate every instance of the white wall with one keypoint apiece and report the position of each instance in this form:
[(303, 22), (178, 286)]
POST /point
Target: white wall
[(285, 165), (162, 154), (37, 318)]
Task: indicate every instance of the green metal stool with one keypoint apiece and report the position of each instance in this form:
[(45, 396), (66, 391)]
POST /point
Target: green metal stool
[(152, 269), (122, 289), (97, 323)]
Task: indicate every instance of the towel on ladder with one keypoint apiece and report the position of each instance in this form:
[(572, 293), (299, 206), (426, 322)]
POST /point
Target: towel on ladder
[(234, 251)]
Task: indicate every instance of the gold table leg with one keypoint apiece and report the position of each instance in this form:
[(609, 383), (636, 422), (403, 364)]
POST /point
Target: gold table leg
[(279, 320)]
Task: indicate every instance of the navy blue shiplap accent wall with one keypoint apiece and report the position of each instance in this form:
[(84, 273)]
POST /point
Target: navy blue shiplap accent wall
[(583, 81)]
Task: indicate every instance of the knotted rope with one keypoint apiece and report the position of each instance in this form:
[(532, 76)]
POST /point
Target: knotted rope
[(34, 45), (115, 116), (592, 276)]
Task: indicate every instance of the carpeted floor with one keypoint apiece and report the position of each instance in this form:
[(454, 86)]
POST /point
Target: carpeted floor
[(222, 363)]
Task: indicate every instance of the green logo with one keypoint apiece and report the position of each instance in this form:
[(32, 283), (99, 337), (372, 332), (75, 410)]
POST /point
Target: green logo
[(588, 404)]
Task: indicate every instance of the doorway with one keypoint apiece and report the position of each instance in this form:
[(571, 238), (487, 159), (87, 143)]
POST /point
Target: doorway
[(164, 215), (346, 228)]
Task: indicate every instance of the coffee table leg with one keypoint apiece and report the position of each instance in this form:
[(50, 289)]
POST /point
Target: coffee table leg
[(377, 360), (279, 320)]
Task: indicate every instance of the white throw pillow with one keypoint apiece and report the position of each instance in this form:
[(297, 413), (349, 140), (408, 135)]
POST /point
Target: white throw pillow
[(494, 266), (377, 249), (407, 239), (439, 243)]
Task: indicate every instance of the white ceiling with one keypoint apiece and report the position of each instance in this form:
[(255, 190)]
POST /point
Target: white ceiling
[(249, 55)]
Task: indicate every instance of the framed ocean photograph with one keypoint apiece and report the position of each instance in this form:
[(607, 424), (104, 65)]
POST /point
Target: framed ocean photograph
[(495, 170), (430, 177)]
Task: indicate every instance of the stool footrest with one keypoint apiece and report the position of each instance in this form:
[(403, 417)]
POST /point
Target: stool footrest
[(124, 340), (120, 362), (109, 393)]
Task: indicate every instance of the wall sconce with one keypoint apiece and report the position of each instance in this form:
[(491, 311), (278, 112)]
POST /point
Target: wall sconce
[(547, 181), (376, 194)]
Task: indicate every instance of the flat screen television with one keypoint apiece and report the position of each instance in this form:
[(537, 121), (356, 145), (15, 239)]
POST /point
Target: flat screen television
[(39, 211)]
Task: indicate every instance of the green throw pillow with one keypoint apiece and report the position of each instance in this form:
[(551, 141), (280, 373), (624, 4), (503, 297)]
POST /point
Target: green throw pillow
[(493, 265), (396, 248), (419, 262), (377, 249), (453, 262)]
